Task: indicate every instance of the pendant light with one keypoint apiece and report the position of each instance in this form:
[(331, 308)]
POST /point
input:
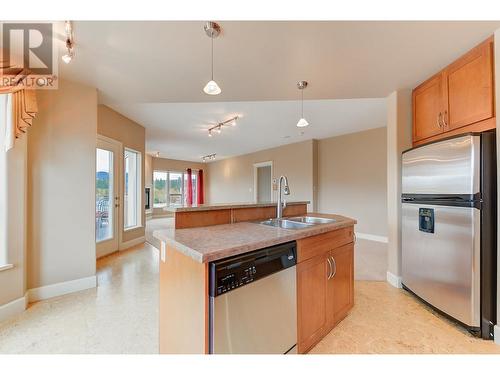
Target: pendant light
[(212, 29), (301, 85), (68, 30)]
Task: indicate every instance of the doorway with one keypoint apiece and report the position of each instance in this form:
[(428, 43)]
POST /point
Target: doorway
[(263, 182), (107, 196)]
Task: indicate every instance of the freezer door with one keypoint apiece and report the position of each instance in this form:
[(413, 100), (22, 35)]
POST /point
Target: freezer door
[(440, 259), (448, 167)]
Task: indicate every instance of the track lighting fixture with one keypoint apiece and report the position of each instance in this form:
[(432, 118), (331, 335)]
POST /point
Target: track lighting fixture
[(218, 128), (68, 30), (208, 157), (212, 29), (301, 85)]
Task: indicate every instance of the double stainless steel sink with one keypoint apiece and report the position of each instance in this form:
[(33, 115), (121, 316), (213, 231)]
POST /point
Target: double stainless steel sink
[(299, 222)]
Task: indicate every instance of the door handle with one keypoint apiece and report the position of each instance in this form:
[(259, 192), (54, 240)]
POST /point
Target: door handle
[(334, 267), (330, 269)]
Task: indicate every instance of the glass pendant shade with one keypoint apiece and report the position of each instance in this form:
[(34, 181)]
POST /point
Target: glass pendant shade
[(212, 88), (302, 123), (67, 58)]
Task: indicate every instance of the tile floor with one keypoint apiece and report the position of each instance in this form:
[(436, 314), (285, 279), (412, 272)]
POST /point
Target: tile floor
[(121, 316)]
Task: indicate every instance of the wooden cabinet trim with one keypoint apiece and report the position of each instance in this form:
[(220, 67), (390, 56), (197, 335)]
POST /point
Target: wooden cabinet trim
[(478, 127)]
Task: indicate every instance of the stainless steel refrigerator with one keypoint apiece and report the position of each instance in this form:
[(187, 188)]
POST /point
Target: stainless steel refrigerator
[(449, 228)]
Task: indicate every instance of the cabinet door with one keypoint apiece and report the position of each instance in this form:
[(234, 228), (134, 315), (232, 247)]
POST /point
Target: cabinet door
[(470, 88), (428, 109), (312, 286), (342, 282)]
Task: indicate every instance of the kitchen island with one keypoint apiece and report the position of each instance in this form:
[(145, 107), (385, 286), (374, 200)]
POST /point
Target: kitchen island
[(190, 216), (324, 294)]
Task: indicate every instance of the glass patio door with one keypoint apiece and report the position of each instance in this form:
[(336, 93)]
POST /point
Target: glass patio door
[(107, 197)]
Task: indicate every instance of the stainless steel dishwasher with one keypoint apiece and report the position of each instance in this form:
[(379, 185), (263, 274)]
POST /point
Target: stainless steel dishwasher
[(253, 302)]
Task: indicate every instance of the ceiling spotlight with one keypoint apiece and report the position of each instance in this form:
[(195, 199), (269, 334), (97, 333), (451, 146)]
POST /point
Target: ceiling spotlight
[(208, 157), (301, 85), (68, 29), (218, 128), (212, 29)]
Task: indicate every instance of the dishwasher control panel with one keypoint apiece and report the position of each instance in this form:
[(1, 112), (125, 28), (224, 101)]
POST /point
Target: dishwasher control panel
[(233, 280), (235, 272)]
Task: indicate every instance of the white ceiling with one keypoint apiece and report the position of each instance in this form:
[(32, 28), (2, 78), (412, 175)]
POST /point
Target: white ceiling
[(179, 130), (143, 68)]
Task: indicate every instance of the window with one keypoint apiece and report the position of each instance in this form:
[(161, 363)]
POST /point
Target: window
[(170, 188), (132, 201), (160, 189), (104, 195)]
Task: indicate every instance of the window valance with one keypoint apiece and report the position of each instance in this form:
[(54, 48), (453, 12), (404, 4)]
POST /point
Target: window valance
[(21, 103)]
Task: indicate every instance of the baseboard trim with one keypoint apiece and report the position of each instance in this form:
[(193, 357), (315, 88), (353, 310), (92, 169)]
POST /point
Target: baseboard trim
[(59, 289), (394, 280), (496, 334), (13, 308), (372, 237), (128, 244)]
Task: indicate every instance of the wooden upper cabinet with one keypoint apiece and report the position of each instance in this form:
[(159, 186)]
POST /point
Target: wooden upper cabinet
[(470, 87), (428, 108), (312, 301), (458, 99)]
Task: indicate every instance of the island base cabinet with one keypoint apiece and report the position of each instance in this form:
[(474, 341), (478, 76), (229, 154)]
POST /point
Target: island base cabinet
[(312, 301), (342, 282), (325, 292)]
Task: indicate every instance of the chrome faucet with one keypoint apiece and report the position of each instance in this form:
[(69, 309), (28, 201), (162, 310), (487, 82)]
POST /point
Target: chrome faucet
[(281, 204)]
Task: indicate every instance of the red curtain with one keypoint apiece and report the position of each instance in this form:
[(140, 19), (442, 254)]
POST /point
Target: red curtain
[(201, 198), (189, 195)]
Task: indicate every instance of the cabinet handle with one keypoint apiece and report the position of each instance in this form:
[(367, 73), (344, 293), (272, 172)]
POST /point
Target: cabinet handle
[(439, 123), (334, 267), (330, 269), (445, 118)]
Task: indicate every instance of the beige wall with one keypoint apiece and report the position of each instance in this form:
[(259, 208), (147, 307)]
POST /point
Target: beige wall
[(172, 165), (13, 281), (232, 180), (352, 178), (61, 186), (399, 130), (113, 125)]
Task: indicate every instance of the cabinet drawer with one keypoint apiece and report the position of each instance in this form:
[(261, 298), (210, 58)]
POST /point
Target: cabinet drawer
[(312, 246)]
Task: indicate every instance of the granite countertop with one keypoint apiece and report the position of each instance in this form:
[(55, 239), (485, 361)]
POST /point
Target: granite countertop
[(207, 244), (223, 206)]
